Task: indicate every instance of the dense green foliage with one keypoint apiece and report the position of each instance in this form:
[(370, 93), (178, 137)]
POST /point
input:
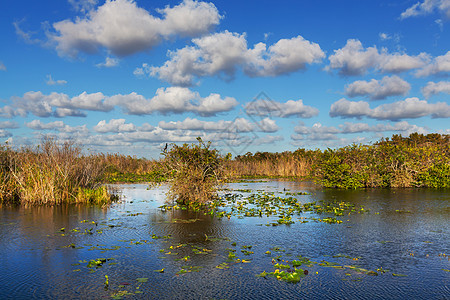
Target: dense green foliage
[(414, 161), (124, 168), (195, 171)]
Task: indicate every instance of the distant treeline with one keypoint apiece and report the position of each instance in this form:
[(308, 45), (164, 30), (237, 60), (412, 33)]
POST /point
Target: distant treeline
[(414, 161), (53, 173)]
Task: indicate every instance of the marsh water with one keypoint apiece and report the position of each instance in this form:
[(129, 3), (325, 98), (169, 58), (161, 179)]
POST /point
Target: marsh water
[(64, 252)]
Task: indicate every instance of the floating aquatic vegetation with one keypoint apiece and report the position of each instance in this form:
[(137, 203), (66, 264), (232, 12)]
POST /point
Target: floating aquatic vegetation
[(200, 250), (120, 294), (291, 276), (185, 258), (97, 262), (231, 255), (244, 190), (184, 221), (135, 214), (247, 252), (330, 220), (301, 261), (346, 256), (401, 211), (281, 266), (297, 193), (189, 269), (277, 249), (324, 263), (268, 204), (223, 266)]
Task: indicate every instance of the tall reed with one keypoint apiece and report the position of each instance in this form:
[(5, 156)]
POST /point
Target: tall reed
[(264, 164), (50, 173)]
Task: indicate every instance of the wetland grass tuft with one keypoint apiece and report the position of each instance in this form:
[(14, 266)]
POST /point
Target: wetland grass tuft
[(49, 174)]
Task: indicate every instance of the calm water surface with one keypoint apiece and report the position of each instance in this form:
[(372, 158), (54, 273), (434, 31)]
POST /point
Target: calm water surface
[(45, 251)]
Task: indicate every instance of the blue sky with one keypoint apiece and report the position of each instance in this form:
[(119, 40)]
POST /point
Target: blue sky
[(128, 76)]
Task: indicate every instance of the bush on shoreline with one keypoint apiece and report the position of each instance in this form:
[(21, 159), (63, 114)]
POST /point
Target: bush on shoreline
[(414, 161)]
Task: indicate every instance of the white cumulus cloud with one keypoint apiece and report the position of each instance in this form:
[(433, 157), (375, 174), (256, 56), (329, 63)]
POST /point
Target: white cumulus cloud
[(38, 125), (223, 53), (353, 59), (237, 125), (173, 100), (114, 125), (378, 89), (9, 125), (285, 56), (409, 108), (123, 28), (319, 132), (108, 63), (65, 131), (427, 7), (440, 65), (433, 88), (261, 107), (403, 127)]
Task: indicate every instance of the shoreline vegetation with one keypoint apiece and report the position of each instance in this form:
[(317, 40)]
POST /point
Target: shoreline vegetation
[(54, 173), (51, 174)]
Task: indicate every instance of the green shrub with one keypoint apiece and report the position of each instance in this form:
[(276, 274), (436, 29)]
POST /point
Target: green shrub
[(437, 176), (195, 171), (415, 161)]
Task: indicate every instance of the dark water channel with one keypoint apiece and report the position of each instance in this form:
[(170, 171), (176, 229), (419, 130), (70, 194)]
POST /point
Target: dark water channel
[(65, 252)]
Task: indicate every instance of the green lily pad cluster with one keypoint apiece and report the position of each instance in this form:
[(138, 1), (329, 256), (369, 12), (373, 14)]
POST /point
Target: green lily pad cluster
[(285, 208), (188, 269), (264, 204), (291, 276)]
